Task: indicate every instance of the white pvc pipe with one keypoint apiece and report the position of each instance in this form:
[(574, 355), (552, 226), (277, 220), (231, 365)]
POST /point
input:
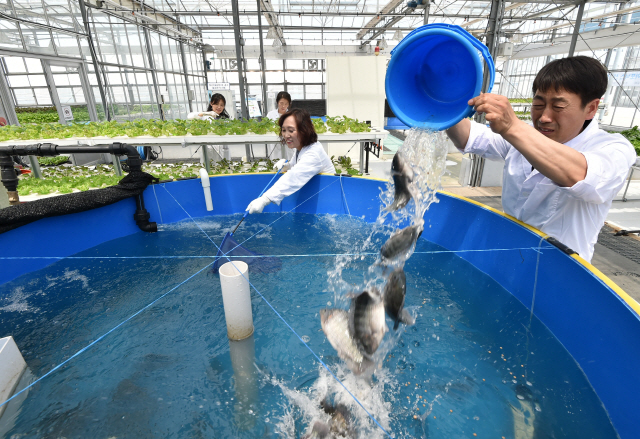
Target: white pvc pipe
[(243, 359), (236, 299), (12, 365), (204, 178)]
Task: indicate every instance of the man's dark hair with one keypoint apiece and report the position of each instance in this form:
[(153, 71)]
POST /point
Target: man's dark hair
[(306, 133), (283, 95), (581, 75)]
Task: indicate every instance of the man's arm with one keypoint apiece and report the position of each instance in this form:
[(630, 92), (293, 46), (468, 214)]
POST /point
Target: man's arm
[(563, 165), (459, 133)]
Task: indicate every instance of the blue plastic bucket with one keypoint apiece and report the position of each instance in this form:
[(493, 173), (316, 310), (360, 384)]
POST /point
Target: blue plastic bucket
[(432, 74)]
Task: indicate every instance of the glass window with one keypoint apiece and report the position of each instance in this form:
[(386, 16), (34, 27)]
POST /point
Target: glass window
[(313, 91), (15, 64), (274, 64), (43, 96), (254, 77), (38, 80), (11, 37), (18, 81), (296, 91), (275, 77), (294, 77), (294, 64), (313, 77), (34, 65), (65, 94), (24, 96)]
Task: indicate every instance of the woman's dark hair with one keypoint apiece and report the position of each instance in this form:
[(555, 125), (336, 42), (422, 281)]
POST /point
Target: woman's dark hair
[(215, 98), (306, 132), (283, 95), (581, 75)]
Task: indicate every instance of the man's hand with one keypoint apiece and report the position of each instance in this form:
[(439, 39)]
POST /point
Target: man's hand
[(497, 110)]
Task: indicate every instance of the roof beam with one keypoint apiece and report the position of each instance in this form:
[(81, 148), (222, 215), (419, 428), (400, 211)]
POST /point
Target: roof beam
[(389, 7), (272, 19)]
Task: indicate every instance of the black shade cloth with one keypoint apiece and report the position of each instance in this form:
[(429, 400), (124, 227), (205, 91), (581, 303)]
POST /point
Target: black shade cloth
[(257, 263), (315, 107), (131, 185)]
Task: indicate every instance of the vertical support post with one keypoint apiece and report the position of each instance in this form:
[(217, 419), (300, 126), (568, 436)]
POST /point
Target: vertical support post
[(116, 164), (205, 158), (7, 106), (152, 64), (35, 167), (94, 58), (426, 11), (553, 38), (53, 91), (262, 63), (236, 31), (576, 29), (186, 74), (493, 39), (88, 93), (607, 61), (361, 157)]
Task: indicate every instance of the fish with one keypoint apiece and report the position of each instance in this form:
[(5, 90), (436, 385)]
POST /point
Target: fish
[(402, 175), (340, 423), (401, 242), (366, 321), (320, 430), (335, 324), (394, 294)]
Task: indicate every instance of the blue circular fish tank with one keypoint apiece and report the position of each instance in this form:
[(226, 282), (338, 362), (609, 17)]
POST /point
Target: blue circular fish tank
[(123, 332)]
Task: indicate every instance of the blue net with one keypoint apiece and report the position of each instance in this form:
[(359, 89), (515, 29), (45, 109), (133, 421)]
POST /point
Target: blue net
[(257, 262)]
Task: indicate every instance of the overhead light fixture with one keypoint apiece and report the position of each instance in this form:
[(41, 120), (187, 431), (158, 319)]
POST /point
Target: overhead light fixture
[(276, 43), (383, 44), (398, 36), (271, 33)]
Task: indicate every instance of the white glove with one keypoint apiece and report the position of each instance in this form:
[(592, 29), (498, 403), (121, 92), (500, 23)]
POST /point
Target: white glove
[(281, 165), (257, 205)]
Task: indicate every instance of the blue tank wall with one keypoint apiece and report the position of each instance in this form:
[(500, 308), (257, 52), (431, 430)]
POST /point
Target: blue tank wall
[(589, 314)]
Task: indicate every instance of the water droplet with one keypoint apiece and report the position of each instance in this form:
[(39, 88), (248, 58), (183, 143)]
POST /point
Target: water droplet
[(328, 303), (416, 343)]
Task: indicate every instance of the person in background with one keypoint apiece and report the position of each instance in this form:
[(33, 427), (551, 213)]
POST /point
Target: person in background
[(274, 151), (309, 159), (283, 101), (561, 174), (215, 110)]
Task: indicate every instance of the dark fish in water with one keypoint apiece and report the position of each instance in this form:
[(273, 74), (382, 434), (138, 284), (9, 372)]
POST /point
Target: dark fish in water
[(402, 177), (335, 324), (341, 420), (366, 321), (394, 293), (320, 430), (401, 242)]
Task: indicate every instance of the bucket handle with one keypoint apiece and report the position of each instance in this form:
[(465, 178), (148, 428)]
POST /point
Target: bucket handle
[(473, 40)]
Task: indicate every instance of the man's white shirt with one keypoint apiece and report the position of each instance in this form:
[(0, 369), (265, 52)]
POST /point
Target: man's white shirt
[(573, 215)]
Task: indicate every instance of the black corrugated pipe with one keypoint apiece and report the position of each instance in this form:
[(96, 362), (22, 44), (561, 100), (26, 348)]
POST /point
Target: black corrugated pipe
[(10, 179)]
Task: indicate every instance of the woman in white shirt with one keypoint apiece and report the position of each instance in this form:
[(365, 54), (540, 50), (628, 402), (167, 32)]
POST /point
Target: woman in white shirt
[(215, 110), (309, 159), (284, 102)]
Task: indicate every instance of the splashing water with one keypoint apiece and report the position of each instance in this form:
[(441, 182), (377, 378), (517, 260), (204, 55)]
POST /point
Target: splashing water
[(425, 152), (305, 406)]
